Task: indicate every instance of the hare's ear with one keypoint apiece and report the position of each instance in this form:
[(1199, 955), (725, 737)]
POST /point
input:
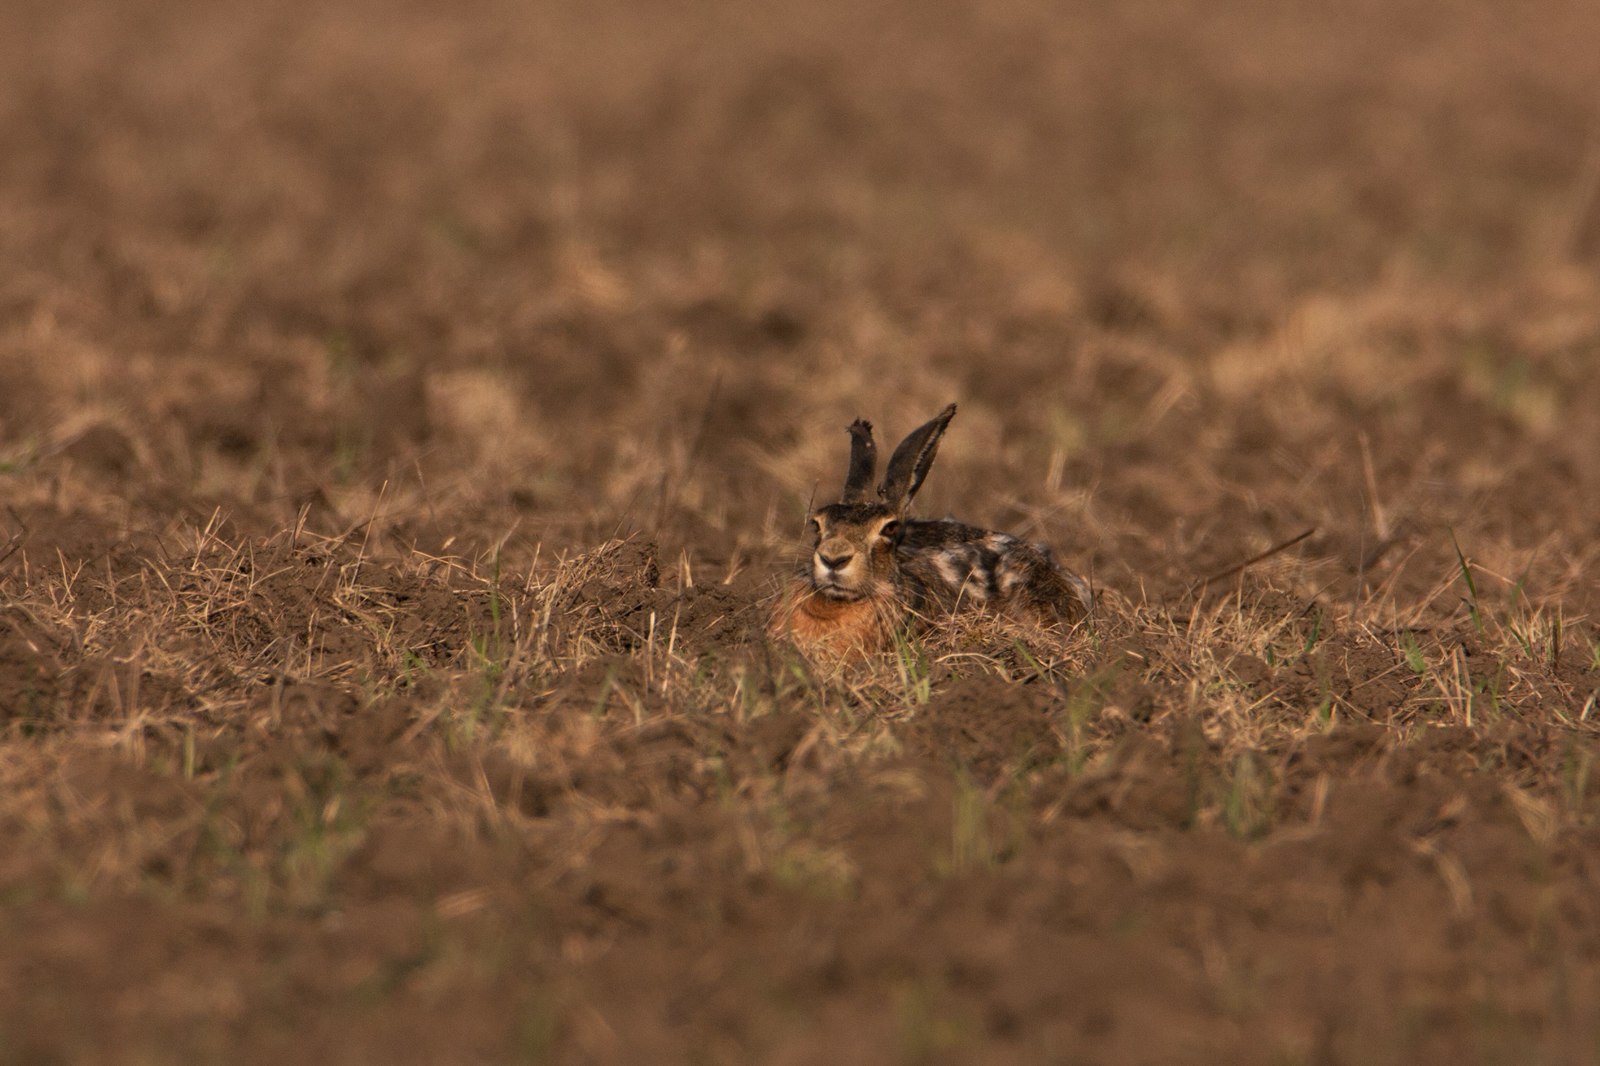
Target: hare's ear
[(863, 463), (911, 460)]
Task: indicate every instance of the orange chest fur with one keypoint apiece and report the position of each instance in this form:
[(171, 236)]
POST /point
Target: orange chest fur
[(812, 620)]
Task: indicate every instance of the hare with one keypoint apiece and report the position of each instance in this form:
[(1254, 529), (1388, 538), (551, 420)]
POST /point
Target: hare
[(871, 564)]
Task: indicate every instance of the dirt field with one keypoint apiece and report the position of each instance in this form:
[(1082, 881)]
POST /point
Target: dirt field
[(407, 409)]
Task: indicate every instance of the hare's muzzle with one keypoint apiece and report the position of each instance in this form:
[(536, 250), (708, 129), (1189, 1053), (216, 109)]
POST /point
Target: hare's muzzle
[(837, 568), (835, 560)]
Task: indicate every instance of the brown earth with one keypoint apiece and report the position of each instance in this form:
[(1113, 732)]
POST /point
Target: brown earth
[(407, 410)]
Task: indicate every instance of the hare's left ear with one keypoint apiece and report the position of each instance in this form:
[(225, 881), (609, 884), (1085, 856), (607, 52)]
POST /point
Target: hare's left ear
[(912, 460), (863, 463)]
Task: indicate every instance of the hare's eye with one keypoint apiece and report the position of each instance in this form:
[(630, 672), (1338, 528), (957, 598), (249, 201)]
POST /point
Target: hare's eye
[(889, 530)]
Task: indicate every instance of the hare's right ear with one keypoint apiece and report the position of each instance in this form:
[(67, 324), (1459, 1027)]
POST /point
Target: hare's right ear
[(863, 463), (912, 459)]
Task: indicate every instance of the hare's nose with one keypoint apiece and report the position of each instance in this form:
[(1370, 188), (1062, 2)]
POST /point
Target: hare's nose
[(835, 558)]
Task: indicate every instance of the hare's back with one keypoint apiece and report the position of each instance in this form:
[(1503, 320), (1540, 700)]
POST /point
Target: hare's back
[(951, 564)]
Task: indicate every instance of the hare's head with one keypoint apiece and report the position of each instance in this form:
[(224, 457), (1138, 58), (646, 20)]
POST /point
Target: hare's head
[(855, 538)]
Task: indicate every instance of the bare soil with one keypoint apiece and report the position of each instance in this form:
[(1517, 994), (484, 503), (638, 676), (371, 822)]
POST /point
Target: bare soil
[(407, 412)]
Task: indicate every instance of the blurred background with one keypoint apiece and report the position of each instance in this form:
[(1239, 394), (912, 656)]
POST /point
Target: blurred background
[(1200, 275)]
